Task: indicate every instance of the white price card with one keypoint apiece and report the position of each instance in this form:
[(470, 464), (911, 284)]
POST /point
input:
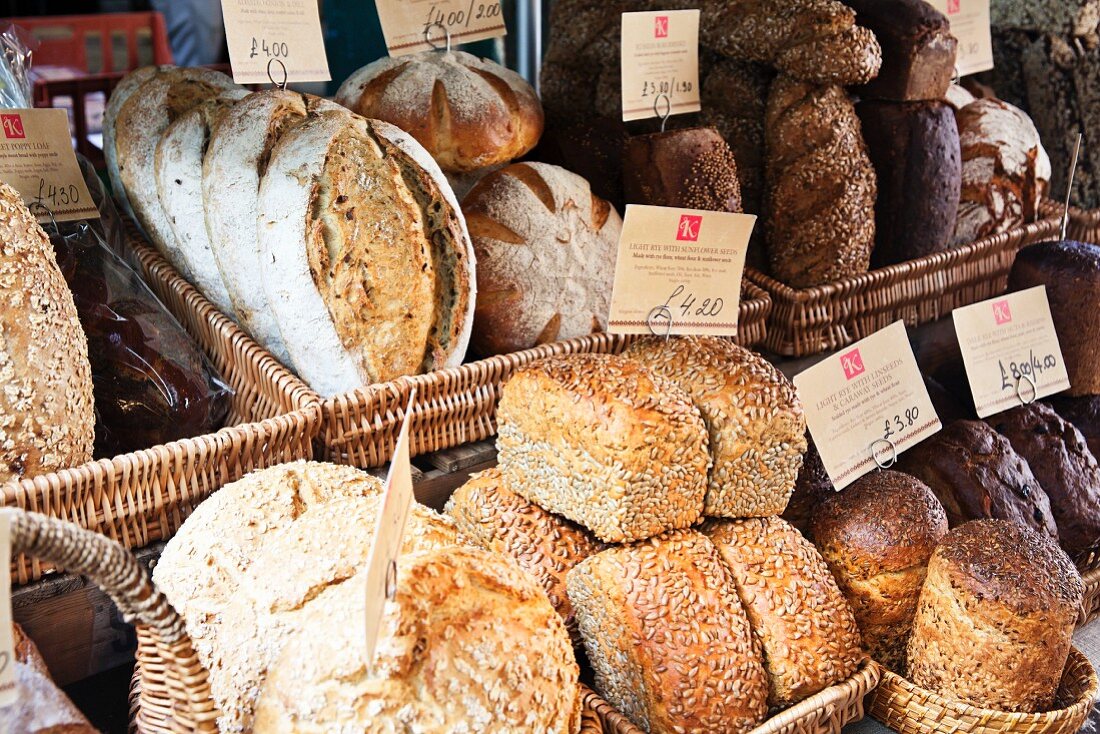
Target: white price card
[(660, 56), (679, 271), (276, 41), (866, 404), (970, 25), (9, 692), (1010, 350), (421, 25)]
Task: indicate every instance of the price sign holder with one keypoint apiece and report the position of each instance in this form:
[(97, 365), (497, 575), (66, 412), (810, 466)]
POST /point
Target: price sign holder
[(866, 405), (684, 262), (660, 56), (276, 41), (971, 26), (407, 24), (9, 692)]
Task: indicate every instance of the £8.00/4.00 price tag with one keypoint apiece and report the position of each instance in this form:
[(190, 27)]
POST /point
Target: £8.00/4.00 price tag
[(866, 404), (409, 24), (660, 55), (275, 41), (970, 24)]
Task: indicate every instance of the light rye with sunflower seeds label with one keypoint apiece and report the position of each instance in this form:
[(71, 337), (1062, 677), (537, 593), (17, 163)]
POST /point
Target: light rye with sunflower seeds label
[(660, 56)]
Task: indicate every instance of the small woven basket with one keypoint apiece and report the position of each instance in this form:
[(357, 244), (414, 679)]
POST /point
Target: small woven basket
[(908, 709), (1089, 567)]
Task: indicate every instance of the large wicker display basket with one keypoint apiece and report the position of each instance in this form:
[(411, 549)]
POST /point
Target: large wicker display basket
[(908, 709), (1089, 566), (1084, 225)]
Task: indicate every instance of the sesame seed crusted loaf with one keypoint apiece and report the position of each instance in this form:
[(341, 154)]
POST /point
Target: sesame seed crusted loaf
[(47, 419), (753, 415), (803, 622), (606, 443), (121, 93), (469, 644), (667, 636), (995, 618)]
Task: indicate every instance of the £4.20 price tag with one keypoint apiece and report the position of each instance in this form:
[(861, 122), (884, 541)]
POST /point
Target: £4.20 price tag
[(275, 41), (660, 56), (970, 25), (409, 24), (8, 690)]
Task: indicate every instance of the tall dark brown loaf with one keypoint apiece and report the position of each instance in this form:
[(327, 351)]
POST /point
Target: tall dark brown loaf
[(685, 169), (812, 486), (1084, 413)]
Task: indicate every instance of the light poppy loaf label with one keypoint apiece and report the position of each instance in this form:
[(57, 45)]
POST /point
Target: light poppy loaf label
[(660, 56), (866, 404), (1010, 350), (970, 24), (275, 41), (686, 264), (420, 25)]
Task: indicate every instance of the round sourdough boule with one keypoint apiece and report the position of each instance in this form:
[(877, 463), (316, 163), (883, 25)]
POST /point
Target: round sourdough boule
[(546, 249), (119, 95), (995, 618), (47, 416), (469, 113), (753, 415), (367, 264), (877, 536)]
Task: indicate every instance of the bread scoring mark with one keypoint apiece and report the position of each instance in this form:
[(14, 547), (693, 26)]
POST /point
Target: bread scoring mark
[(481, 225), (532, 180)]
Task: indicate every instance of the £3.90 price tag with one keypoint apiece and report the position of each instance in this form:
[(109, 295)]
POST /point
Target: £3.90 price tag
[(37, 160), (275, 41), (660, 55), (970, 25), (866, 404), (1010, 350), (408, 24), (8, 690)]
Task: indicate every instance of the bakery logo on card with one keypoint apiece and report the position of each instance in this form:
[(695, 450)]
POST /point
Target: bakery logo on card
[(953, 7), (13, 126), (689, 228), (1002, 313), (852, 363), (660, 26)]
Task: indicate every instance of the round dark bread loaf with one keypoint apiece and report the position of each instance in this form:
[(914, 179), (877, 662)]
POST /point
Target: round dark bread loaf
[(918, 50), (689, 169), (1084, 413), (811, 486)]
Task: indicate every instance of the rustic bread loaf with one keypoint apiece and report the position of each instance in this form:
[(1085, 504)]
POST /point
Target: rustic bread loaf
[(47, 419), (995, 619), (490, 515), (692, 168), (1084, 413), (469, 113), (813, 485), (546, 257), (668, 638), (958, 97), (119, 96), (41, 707), (877, 536), (918, 50), (468, 643), (804, 624), (606, 443), (1055, 17), (754, 418)]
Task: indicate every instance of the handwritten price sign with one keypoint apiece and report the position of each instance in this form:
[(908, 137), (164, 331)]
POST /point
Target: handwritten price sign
[(409, 24), (660, 56), (275, 41), (970, 24)]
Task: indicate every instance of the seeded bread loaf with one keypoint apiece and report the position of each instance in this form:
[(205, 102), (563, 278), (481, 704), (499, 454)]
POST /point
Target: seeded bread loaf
[(692, 168), (877, 536), (490, 515), (1084, 413), (668, 638), (918, 50), (119, 96), (995, 619), (754, 418), (606, 443), (546, 257)]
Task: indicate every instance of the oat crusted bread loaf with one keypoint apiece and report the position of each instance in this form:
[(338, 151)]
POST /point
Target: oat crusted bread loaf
[(47, 418), (606, 443), (668, 638), (753, 416), (995, 619)]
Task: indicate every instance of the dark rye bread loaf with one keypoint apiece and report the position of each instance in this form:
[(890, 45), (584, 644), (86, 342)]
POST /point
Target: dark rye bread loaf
[(918, 50), (812, 486), (1084, 413), (685, 169)]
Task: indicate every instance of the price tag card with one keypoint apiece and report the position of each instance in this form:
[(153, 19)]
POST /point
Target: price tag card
[(1010, 350), (660, 56), (397, 501), (408, 24), (866, 401), (681, 269), (8, 690), (970, 24), (275, 41), (38, 161)]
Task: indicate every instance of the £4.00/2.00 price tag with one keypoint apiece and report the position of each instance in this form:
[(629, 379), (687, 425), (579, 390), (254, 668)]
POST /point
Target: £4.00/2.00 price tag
[(1010, 350), (687, 261), (407, 24), (8, 690), (866, 401), (660, 55), (970, 24), (266, 37), (37, 160)]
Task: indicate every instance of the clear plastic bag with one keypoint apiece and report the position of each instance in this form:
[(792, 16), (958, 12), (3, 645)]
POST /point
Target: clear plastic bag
[(15, 63)]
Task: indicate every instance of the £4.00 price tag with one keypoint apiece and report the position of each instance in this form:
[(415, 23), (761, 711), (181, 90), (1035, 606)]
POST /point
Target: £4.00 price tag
[(409, 24), (660, 55), (970, 25), (1010, 350), (275, 41), (866, 404), (8, 690)]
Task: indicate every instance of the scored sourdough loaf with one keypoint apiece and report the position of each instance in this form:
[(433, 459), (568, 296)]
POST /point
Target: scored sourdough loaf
[(367, 265), (802, 621), (179, 184), (668, 638), (47, 417), (121, 93), (606, 443), (753, 415)]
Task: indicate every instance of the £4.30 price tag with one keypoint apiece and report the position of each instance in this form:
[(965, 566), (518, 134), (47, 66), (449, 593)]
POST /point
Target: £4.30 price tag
[(275, 41), (970, 25), (660, 56), (8, 690), (420, 25)]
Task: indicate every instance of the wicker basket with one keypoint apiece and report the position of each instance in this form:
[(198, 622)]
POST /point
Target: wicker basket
[(909, 709), (824, 713), (827, 317), (1084, 226), (1089, 567)]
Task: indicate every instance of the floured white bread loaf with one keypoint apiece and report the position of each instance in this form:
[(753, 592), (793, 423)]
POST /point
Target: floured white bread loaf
[(236, 159), (140, 123), (755, 419), (260, 553), (367, 265), (469, 643), (606, 443), (469, 113), (121, 93), (546, 257), (47, 419), (179, 184)]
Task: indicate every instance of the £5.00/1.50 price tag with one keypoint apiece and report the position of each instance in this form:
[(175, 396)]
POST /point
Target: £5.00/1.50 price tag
[(685, 262), (1010, 350), (409, 24), (268, 38), (970, 24), (660, 55), (866, 404)]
